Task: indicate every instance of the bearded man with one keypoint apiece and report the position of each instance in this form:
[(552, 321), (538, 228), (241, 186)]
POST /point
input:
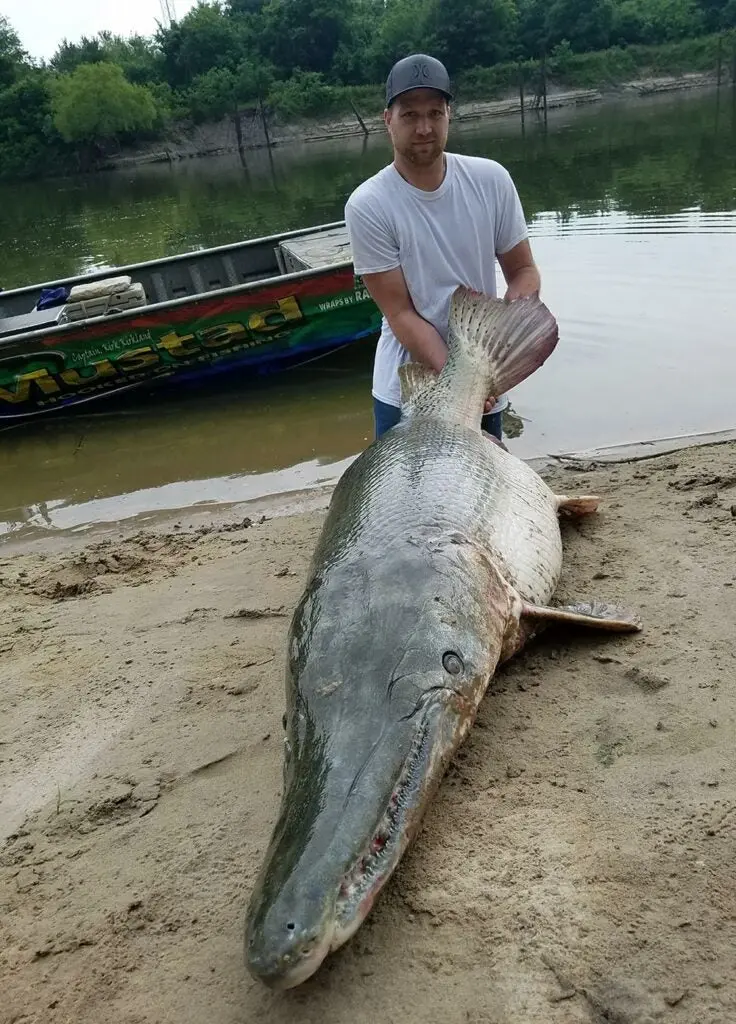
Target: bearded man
[(427, 223)]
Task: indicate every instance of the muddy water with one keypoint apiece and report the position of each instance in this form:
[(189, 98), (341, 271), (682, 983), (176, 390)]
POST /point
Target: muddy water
[(632, 213)]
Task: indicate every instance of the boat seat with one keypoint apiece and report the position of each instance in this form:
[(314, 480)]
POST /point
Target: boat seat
[(96, 289), (103, 304)]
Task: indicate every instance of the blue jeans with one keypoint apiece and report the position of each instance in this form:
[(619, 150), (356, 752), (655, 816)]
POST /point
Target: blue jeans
[(387, 416)]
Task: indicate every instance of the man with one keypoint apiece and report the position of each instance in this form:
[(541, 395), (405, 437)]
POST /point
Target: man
[(426, 223)]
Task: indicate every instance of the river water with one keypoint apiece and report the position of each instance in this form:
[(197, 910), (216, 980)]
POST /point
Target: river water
[(632, 214)]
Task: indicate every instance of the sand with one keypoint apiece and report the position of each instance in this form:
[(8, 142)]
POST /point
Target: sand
[(577, 864)]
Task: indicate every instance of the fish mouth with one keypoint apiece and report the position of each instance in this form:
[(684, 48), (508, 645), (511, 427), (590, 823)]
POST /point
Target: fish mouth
[(396, 827), (437, 734)]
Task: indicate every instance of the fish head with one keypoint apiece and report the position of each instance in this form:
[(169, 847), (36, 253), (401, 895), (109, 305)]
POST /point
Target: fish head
[(385, 676)]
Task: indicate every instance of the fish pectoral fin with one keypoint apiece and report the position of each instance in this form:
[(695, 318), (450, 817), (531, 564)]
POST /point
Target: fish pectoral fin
[(583, 505), (595, 614)]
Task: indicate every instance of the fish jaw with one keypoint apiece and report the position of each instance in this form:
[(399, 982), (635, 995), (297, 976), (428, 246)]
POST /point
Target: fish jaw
[(441, 733), (325, 909)]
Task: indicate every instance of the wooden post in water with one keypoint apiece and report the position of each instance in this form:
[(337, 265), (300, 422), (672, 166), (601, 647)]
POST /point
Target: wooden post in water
[(360, 119), (236, 114), (544, 85), (265, 123), (521, 99), (719, 64)]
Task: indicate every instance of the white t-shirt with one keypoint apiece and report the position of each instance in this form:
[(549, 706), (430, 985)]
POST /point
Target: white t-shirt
[(440, 240)]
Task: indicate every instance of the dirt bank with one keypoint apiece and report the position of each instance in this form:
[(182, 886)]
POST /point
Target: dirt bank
[(577, 865), (222, 137)]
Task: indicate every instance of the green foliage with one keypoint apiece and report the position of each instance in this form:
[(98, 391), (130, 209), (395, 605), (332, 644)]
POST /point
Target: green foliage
[(139, 58), (303, 34), (313, 58), (221, 92), (718, 14), (12, 56), (305, 94), (30, 142), (203, 40), (96, 104), (655, 21), (467, 32)]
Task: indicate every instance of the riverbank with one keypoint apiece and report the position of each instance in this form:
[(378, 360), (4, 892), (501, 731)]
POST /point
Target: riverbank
[(576, 864), (249, 133)]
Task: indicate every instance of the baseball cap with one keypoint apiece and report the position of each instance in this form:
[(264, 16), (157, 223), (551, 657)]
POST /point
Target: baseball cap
[(417, 71)]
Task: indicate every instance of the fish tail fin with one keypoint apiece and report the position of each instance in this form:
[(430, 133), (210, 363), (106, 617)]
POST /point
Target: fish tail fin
[(416, 381), (514, 338)]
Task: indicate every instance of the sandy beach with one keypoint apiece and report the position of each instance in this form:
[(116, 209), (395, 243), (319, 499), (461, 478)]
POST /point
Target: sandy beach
[(577, 866)]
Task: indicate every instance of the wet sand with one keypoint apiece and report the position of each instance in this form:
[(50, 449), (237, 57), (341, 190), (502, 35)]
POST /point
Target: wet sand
[(576, 866)]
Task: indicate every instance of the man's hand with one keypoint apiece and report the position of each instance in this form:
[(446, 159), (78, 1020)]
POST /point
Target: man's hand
[(490, 402), (525, 283), (520, 272)]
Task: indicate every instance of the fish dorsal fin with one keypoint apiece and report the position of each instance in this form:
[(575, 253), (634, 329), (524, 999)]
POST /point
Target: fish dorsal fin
[(417, 381), (514, 338)]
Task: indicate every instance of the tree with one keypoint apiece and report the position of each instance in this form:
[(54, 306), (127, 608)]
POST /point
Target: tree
[(393, 31), (29, 139), (96, 105), (532, 32), (303, 34), (304, 94), (224, 93), (466, 33), (140, 58), (13, 57), (206, 38), (656, 21), (586, 24), (238, 8), (718, 14)]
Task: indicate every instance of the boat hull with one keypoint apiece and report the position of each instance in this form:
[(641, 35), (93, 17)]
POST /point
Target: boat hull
[(253, 328)]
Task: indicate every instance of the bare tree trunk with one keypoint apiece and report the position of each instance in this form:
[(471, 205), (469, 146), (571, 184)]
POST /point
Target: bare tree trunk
[(360, 119), (265, 123)]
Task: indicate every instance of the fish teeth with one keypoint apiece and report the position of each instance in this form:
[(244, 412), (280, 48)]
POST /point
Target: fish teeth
[(358, 882)]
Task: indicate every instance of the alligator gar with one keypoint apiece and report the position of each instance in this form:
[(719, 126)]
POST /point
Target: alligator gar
[(437, 560)]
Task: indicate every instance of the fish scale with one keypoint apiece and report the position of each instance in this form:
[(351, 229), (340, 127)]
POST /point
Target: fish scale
[(436, 561), (431, 477)]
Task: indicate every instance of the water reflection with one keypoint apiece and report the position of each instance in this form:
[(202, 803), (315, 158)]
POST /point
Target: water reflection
[(220, 442), (632, 210), (661, 155)]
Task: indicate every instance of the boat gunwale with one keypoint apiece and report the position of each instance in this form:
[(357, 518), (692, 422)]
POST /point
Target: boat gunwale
[(98, 275), (139, 311)]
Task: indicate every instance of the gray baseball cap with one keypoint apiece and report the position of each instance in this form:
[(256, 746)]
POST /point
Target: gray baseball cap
[(417, 71)]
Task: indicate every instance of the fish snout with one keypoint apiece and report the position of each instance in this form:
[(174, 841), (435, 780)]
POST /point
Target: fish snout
[(288, 955)]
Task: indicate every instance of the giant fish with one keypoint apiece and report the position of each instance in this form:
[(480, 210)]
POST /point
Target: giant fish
[(436, 562)]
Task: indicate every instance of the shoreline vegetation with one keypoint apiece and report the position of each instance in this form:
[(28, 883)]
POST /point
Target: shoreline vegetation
[(221, 138), (243, 74)]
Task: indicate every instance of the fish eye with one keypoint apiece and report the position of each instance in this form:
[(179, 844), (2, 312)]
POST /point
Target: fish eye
[(452, 663), (284, 720)]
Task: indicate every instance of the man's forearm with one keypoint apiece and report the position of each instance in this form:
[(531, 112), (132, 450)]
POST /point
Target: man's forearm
[(420, 338), (524, 282)]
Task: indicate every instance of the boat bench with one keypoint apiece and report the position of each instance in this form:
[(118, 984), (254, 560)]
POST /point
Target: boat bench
[(308, 252), (102, 298), (23, 323)]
